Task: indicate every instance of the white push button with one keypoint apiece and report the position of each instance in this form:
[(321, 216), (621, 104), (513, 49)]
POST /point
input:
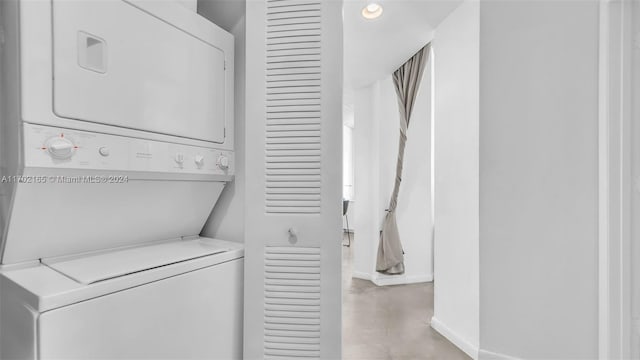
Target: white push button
[(104, 151), (179, 158), (199, 159)]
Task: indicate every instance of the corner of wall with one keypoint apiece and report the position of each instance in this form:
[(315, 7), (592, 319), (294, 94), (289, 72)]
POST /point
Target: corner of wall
[(458, 340)]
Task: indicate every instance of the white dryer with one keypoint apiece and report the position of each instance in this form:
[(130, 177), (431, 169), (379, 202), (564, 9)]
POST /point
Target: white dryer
[(116, 140)]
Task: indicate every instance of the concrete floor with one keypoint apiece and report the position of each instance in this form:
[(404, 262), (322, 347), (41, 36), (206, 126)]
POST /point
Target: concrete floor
[(389, 322)]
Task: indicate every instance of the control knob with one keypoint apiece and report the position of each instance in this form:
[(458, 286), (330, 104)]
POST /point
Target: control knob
[(60, 148), (223, 162)]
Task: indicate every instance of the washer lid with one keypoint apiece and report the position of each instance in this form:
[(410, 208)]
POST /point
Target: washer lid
[(104, 266)]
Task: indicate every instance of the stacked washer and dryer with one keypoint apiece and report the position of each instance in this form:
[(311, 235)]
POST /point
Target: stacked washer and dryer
[(116, 141)]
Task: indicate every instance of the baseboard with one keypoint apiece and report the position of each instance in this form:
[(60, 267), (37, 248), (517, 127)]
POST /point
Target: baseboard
[(456, 339), (490, 355), (361, 275), (386, 280), (473, 351)]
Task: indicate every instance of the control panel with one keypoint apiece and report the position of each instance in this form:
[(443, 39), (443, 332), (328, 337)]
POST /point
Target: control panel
[(63, 148)]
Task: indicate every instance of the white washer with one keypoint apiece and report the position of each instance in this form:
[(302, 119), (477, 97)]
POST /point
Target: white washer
[(175, 300), (116, 140)]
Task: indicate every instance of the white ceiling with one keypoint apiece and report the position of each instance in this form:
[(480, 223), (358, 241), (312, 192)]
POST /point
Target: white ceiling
[(374, 49)]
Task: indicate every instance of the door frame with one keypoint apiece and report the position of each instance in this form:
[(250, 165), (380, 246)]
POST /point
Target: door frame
[(614, 175)]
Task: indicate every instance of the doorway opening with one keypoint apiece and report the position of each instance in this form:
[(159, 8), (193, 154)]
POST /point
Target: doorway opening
[(380, 310)]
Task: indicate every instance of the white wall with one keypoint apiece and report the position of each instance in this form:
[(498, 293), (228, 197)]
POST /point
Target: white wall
[(635, 173), (456, 286), (377, 131), (538, 179), (348, 168), (366, 222), (227, 218), (347, 162)]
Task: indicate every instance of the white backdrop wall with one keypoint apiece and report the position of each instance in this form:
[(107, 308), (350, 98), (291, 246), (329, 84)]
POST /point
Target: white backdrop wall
[(376, 136), (539, 178), (456, 286)]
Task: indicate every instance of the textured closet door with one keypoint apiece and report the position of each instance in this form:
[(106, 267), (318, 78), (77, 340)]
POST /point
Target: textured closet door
[(294, 164)]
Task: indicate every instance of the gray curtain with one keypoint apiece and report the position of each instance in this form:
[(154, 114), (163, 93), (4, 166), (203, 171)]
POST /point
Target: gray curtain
[(407, 82)]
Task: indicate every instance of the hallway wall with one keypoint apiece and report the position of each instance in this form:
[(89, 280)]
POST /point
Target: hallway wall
[(366, 222), (539, 178), (456, 286), (635, 173)]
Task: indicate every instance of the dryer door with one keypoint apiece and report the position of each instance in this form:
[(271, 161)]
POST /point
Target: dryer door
[(117, 64)]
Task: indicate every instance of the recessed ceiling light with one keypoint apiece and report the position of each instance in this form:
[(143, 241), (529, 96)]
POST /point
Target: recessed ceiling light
[(373, 7), (372, 11)]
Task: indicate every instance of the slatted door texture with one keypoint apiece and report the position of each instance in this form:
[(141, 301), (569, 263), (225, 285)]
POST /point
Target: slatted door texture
[(293, 112), (293, 179), (292, 302)]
